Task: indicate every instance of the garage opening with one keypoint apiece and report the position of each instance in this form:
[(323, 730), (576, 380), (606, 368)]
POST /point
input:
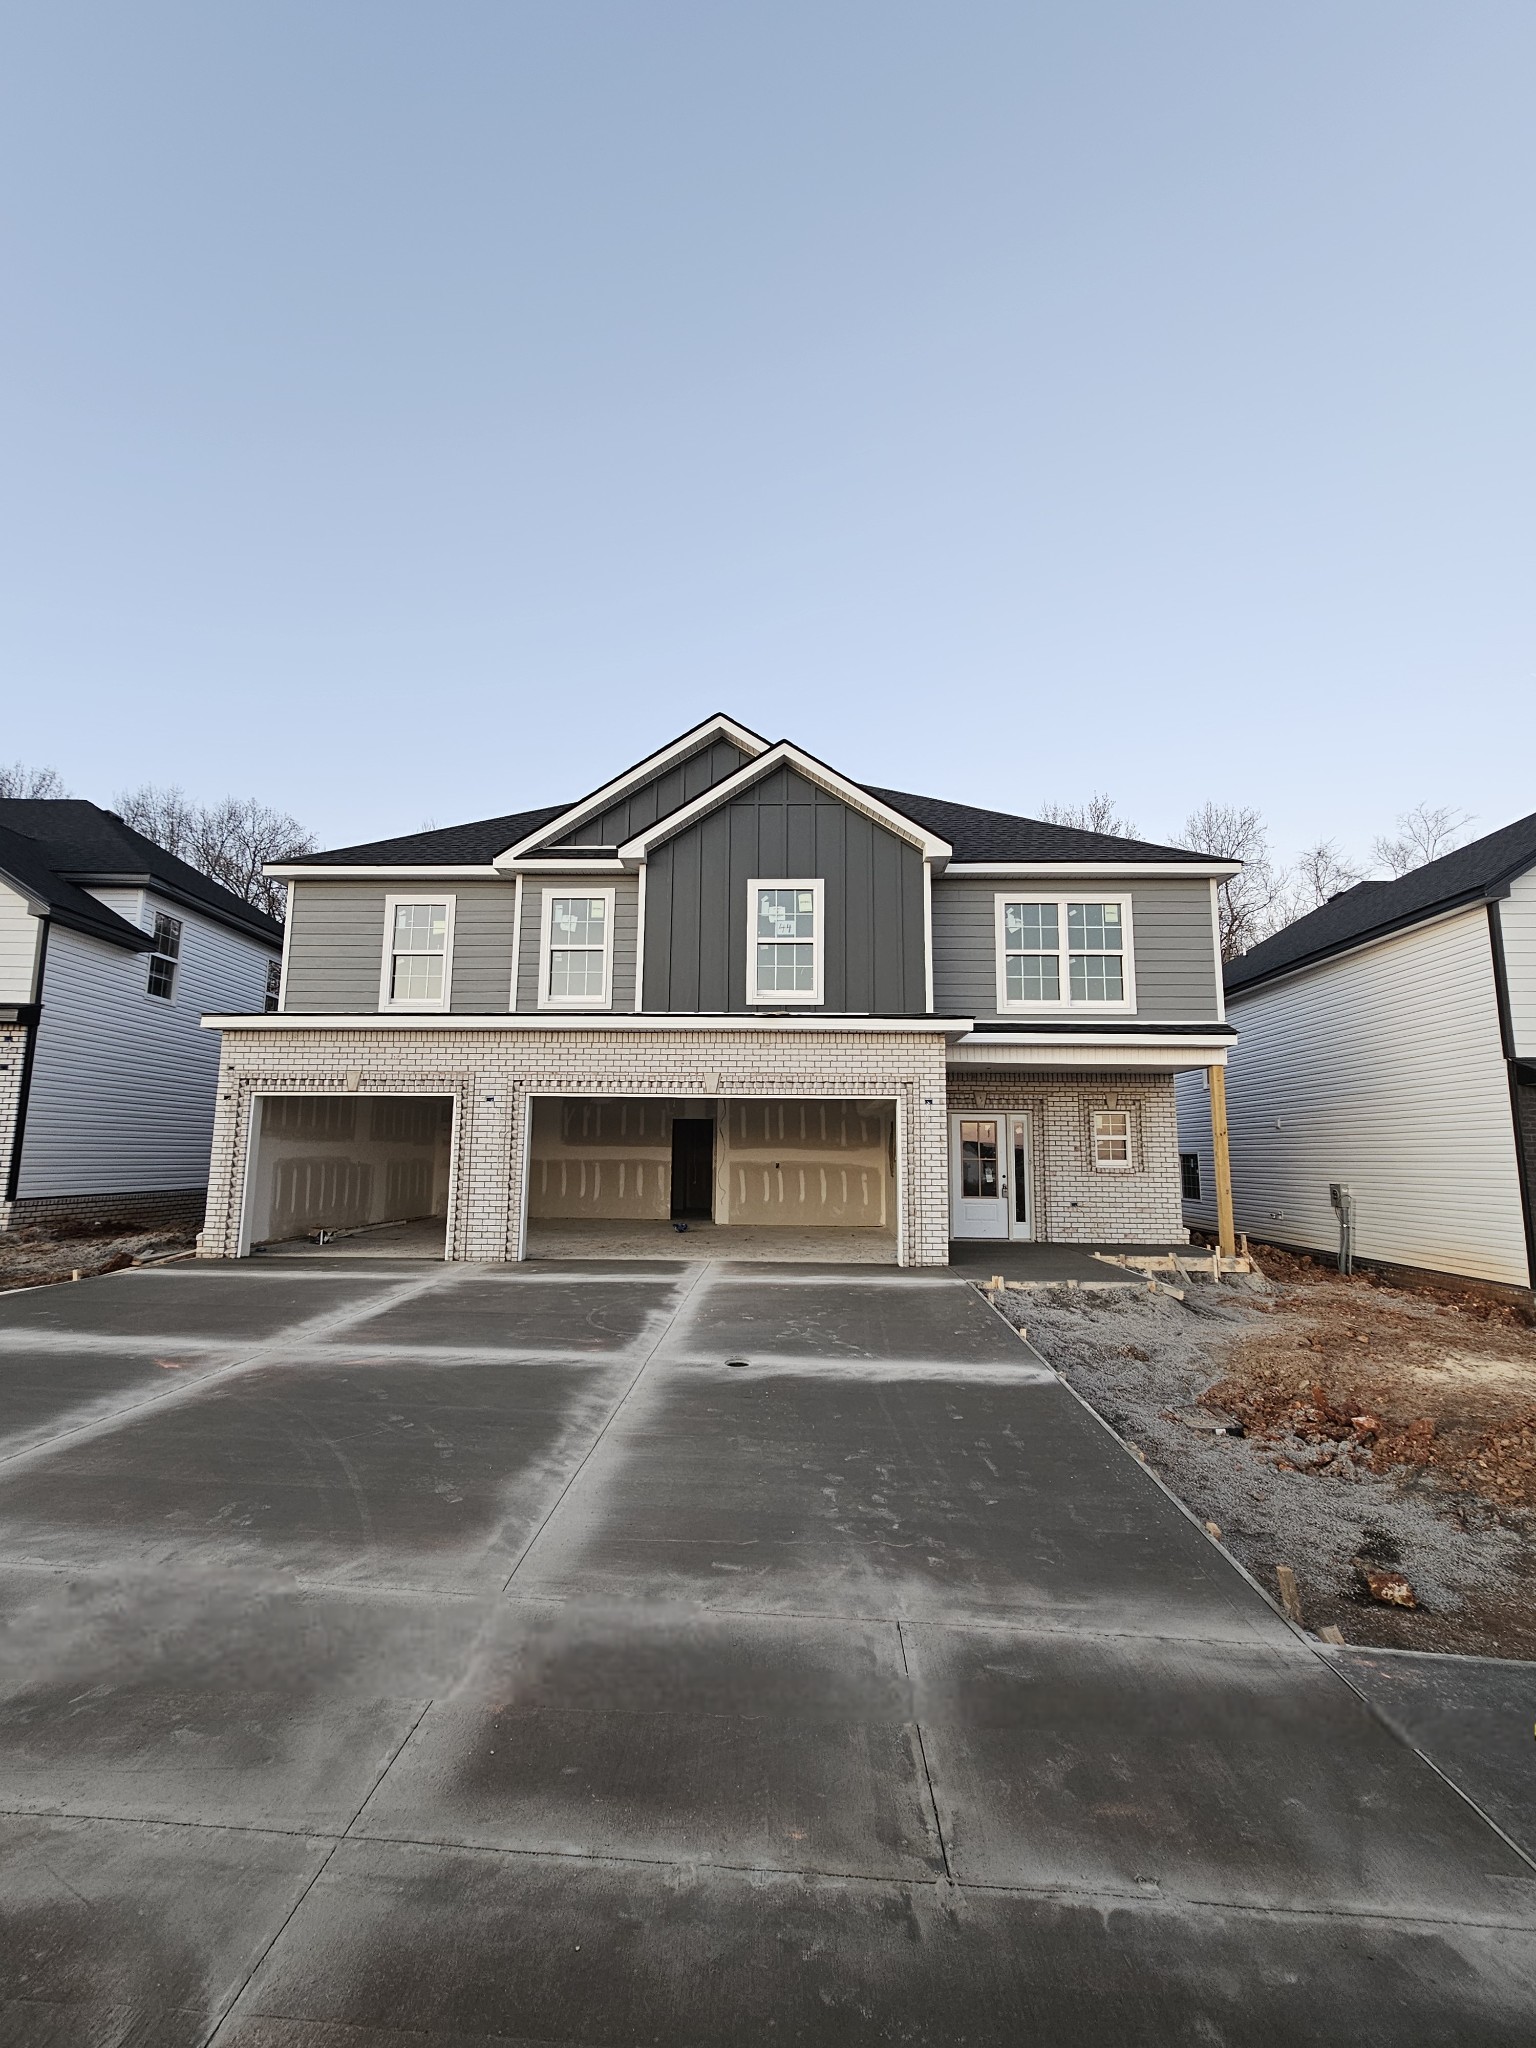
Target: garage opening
[(358, 1174), (612, 1177)]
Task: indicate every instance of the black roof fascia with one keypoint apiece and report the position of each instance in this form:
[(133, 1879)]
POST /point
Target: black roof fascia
[(66, 904)]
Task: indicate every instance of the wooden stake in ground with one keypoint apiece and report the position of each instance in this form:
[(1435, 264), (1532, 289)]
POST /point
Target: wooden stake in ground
[(1290, 1593)]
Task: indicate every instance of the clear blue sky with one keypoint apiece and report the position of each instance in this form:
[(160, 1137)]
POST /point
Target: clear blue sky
[(419, 411)]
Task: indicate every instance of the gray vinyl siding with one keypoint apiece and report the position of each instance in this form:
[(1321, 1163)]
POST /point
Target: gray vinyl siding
[(626, 925), (336, 946), (1175, 948), (123, 1082), (658, 798), (785, 825)]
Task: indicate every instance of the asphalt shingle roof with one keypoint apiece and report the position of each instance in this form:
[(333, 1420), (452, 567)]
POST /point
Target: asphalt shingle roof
[(450, 846), (80, 842), (974, 835), (997, 835), (24, 862), (1469, 875)]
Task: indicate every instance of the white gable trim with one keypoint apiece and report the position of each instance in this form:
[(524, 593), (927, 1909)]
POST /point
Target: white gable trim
[(718, 727), (634, 851)]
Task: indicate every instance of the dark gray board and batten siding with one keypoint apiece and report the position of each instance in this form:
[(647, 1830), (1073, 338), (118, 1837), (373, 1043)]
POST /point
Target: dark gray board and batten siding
[(785, 825), (1175, 950), (658, 798)]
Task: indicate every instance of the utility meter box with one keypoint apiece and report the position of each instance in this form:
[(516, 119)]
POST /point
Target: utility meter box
[(1338, 1193)]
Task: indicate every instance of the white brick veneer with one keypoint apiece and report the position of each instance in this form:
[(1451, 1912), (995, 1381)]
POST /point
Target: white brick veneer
[(1074, 1202), (491, 1074)]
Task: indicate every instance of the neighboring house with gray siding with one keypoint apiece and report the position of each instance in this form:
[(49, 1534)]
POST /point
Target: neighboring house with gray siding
[(734, 989), (110, 952), (1387, 1045)]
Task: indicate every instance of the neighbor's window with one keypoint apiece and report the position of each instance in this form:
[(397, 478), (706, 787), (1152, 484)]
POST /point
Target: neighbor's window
[(162, 962), (784, 942), (1065, 950), (1112, 1138), (419, 949), (274, 984), (576, 968), (1189, 1175)]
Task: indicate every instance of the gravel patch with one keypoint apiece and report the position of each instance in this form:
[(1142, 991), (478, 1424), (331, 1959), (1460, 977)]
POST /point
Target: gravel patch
[(1175, 1378)]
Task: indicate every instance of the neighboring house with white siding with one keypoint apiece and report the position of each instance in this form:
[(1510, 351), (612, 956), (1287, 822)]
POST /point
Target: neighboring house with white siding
[(110, 951), (1387, 1045)]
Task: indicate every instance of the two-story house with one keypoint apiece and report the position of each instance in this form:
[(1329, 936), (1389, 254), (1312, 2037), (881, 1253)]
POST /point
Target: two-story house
[(1385, 1073), (732, 988), (111, 949)]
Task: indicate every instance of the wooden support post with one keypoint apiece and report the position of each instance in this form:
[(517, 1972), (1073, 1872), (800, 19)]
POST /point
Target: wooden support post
[(1224, 1226)]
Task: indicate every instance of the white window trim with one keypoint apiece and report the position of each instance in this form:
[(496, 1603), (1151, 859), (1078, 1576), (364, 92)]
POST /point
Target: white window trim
[(1064, 1002), (1128, 1163), (775, 998), (576, 886), (391, 905)]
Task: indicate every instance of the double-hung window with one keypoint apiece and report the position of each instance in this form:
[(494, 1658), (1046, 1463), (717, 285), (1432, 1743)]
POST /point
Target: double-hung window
[(162, 962), (576, 950), (1112, 1140), (1064, 952), (786, 938), (418, 953)]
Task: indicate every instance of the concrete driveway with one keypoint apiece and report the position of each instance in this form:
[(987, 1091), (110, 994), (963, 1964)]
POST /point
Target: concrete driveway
[(457, 1656)]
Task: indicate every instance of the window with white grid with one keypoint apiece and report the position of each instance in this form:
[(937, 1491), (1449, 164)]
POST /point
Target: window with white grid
[(576, 952), (418, 953), (1112, 1140), (784, 941), (1066, 952)]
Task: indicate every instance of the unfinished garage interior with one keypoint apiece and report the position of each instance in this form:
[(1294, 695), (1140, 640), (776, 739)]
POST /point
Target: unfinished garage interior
[(362, 1172), (742, 1177)]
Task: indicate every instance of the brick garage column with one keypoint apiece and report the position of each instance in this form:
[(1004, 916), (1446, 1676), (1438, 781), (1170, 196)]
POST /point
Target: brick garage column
[(485, 1215)]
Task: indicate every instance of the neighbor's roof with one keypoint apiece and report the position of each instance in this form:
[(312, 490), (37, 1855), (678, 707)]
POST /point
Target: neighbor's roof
[(974, 835), (1477, 873), (25, 863), (79, 843)]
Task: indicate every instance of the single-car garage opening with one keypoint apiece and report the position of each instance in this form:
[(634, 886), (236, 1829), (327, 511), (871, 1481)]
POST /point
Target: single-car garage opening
[(736, 1177), (350, 1173)]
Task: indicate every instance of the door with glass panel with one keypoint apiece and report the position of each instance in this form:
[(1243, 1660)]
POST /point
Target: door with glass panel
[(978, 1176)]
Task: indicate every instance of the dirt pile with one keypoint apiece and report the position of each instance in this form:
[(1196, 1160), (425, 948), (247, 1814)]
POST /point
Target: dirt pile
[(34, 1257)]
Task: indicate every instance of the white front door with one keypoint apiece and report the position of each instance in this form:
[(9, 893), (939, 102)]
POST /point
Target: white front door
[(978, 1180)]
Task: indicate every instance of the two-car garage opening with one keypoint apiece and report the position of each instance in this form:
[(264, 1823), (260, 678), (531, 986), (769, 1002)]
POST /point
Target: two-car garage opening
[(601, 1177), (746, 1177), (369, 1173)]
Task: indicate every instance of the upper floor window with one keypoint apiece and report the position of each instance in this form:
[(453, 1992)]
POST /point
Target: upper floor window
[(785, 941), (162, 962), (576, 951), (274, 985), (418, 953), (1071, 951)]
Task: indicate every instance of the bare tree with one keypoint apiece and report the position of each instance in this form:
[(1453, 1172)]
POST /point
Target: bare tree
[(1423, 834), (1248, 903), (1097, 815), (230, 841), (1321, 872), (18, 779)]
